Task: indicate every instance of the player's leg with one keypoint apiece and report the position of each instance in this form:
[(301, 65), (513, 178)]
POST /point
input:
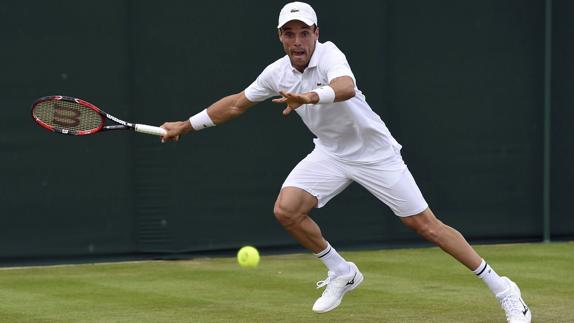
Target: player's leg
[(393, 184), (312, 183), (397, 188), (453, 243), (448, 239), (292, 211)]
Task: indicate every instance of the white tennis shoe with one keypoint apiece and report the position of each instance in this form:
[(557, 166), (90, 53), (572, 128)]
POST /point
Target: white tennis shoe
[(512, 303), (336, 288)]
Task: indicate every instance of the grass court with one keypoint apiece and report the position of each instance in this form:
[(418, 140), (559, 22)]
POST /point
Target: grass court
[(401, 285)]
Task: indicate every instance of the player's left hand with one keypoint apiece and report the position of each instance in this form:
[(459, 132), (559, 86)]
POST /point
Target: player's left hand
[(295, 100)]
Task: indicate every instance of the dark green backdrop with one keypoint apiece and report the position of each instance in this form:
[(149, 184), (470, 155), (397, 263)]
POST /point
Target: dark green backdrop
[(459, 83)]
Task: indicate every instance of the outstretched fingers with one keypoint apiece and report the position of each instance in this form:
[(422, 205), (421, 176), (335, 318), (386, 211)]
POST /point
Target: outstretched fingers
[(292, 100), (279, 100), (287, 110)]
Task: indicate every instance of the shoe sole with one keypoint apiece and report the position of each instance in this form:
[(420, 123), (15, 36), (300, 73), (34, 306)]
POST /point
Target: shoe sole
[(358, 280)]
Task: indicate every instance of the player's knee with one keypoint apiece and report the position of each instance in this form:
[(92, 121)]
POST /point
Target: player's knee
[(285, 214), (426, 225), (431, 232)]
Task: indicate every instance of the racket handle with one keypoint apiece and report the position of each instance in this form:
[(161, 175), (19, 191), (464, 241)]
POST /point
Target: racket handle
[(150, 130)]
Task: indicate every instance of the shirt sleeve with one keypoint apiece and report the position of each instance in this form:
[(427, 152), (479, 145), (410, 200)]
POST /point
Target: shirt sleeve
[(261, 89), (334, 63)]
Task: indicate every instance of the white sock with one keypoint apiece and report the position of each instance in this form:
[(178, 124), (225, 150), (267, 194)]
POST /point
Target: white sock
[(334, 262), (490, 278)]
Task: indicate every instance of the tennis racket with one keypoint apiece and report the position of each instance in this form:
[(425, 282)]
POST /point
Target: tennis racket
[(73, 116)]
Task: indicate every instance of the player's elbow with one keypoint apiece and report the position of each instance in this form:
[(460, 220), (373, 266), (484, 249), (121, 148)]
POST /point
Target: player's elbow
[(344, 87), (345, 94), (350, 92)]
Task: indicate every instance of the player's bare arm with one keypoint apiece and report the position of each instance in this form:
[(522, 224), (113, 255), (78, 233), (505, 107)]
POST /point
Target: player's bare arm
[(227, 108), (343, 86)]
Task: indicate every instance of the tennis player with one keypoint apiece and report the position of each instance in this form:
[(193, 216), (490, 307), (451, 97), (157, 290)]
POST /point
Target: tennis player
[(352, 144)]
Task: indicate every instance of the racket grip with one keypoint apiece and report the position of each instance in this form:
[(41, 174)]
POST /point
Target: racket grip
[(150, 130)]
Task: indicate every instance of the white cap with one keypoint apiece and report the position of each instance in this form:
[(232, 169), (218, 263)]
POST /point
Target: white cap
[(297, 11)]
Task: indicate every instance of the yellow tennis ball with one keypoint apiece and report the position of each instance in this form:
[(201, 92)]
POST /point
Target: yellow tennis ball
[(248, 257)]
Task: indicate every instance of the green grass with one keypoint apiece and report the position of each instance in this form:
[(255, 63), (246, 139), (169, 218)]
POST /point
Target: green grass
[(406, 285)]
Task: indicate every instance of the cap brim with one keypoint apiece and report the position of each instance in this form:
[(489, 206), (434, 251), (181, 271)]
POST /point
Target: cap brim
[(306, 21)]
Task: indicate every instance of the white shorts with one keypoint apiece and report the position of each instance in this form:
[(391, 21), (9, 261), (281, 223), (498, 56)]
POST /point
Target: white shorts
[(323, 176)]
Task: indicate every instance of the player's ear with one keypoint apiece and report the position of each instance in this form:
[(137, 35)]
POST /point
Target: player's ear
[(279, 34), (317, 32)]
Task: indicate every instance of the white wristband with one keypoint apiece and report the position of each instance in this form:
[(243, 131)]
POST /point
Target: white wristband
[(326, 94), (201, 121)]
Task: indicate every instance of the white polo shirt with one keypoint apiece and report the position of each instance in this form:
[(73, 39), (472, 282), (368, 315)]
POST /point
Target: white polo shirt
[(348, 130)]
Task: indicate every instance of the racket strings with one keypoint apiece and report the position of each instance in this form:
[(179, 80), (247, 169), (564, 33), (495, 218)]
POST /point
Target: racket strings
[(65, 115)]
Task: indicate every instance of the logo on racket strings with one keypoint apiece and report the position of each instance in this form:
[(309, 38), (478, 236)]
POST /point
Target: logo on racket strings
[(66, 116)]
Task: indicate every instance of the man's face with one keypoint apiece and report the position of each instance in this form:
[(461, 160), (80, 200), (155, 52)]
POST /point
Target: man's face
[(298, 41)]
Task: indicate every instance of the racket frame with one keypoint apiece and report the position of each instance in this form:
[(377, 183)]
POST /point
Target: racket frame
[(121, 124)]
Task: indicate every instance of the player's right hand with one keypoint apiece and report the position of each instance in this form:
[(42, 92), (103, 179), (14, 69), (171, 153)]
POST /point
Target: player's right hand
[(175, 130)]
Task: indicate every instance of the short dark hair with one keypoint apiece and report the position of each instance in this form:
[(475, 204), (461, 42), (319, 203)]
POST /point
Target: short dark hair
[(314, 28)]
